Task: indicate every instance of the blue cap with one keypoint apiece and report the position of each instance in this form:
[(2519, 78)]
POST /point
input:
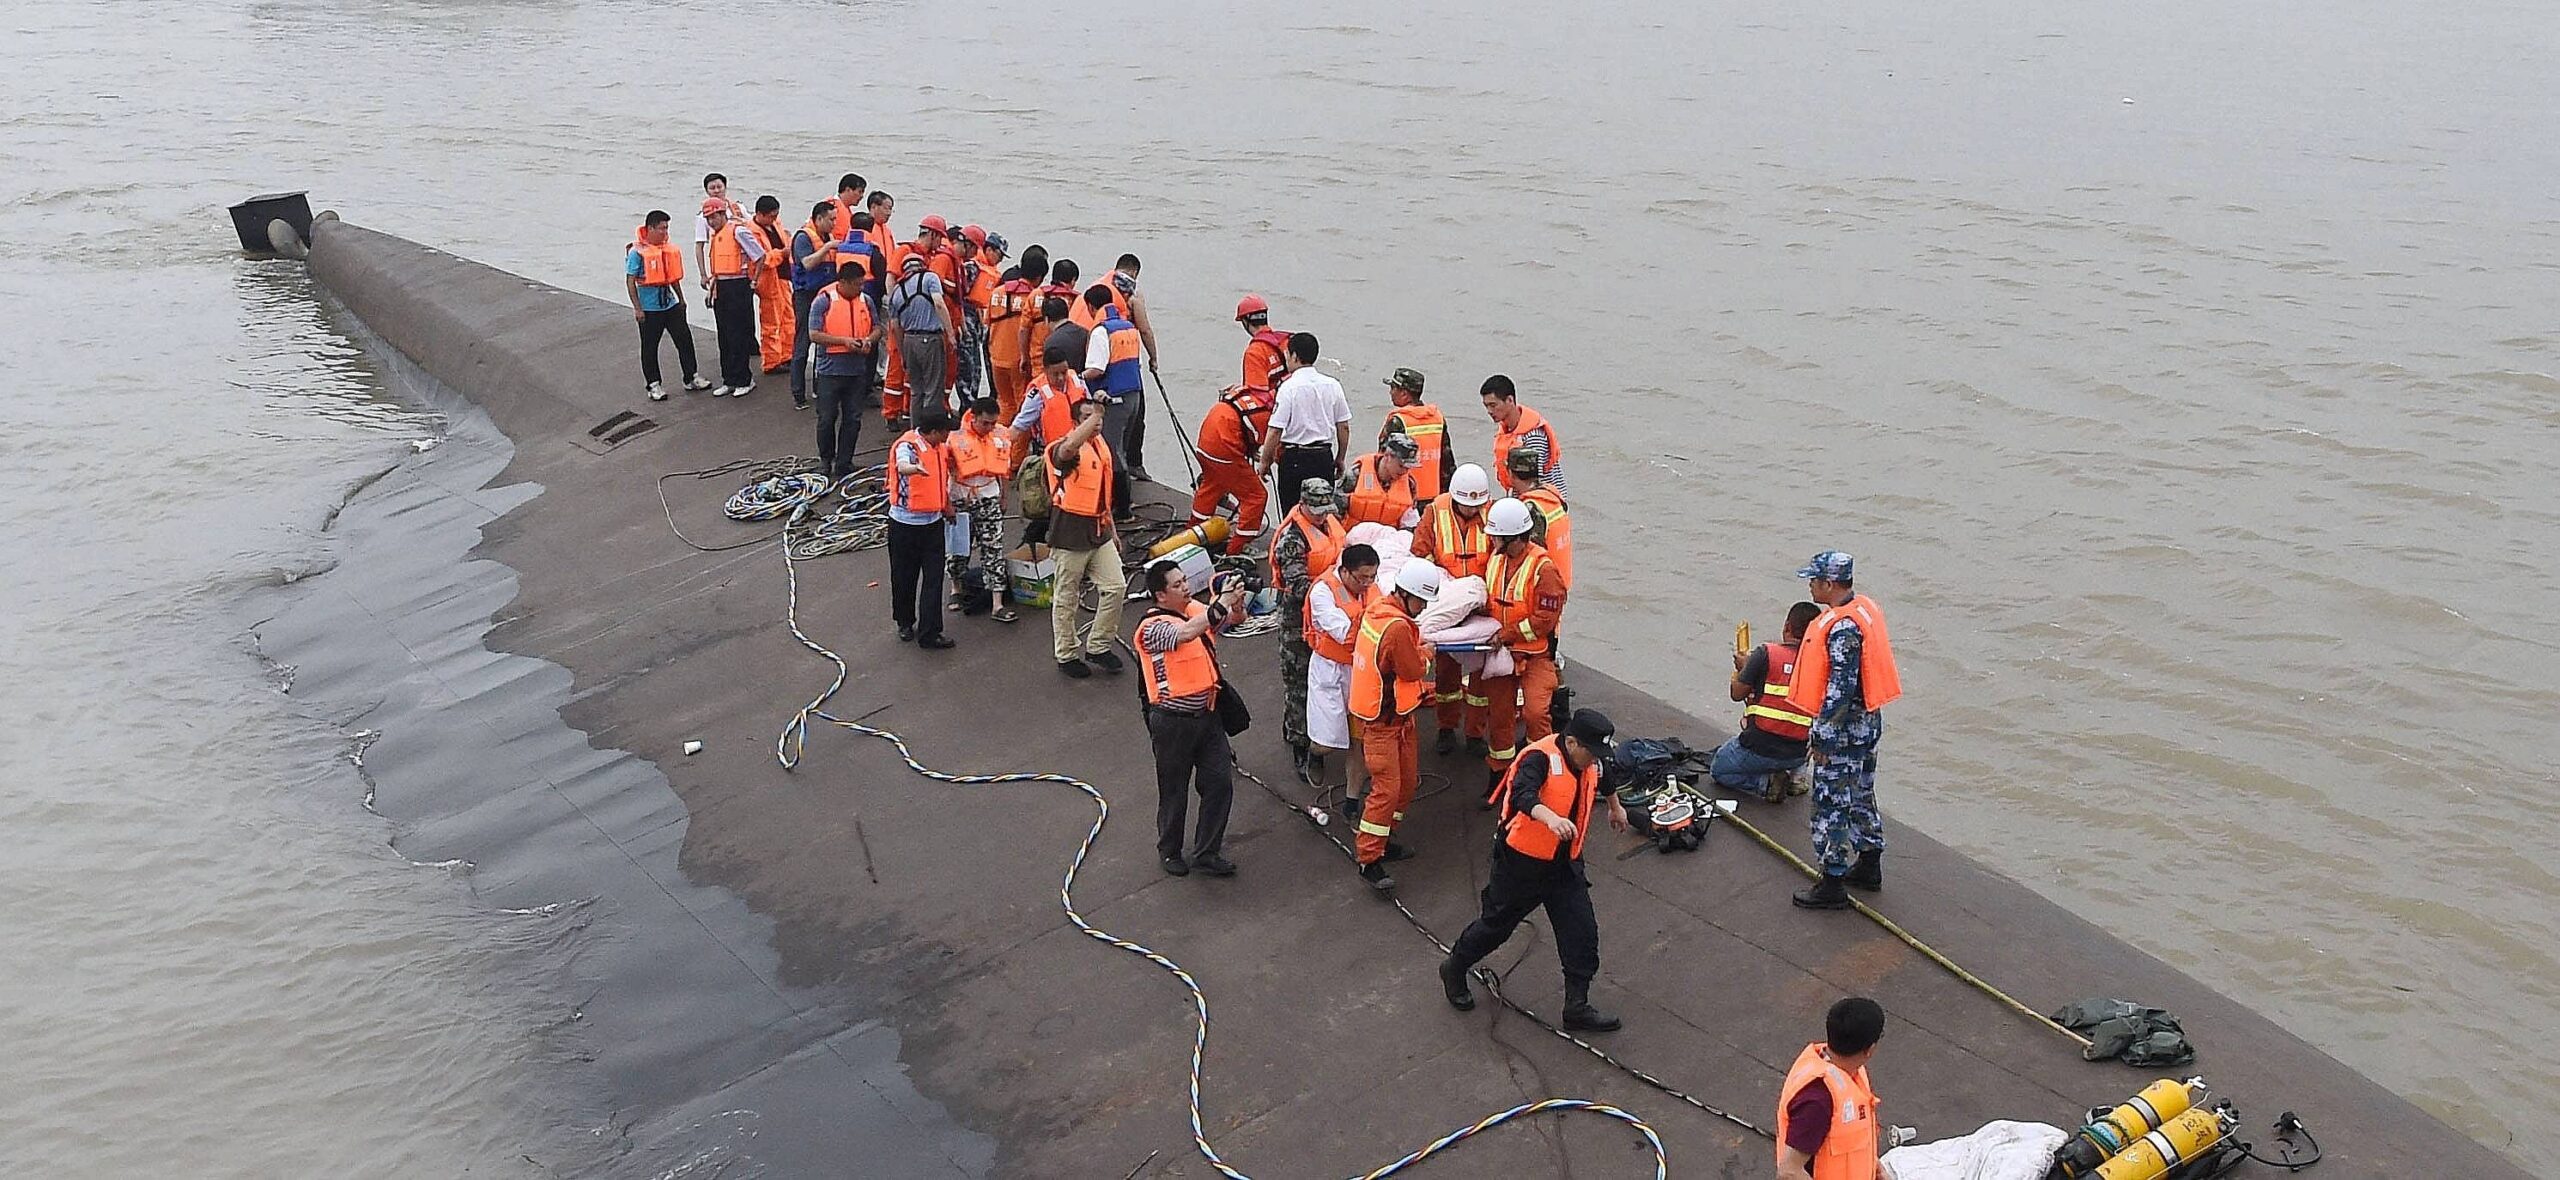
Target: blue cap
[(1830, 565)]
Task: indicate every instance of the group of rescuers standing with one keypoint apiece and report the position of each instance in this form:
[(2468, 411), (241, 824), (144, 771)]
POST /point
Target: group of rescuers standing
[(859, 318)]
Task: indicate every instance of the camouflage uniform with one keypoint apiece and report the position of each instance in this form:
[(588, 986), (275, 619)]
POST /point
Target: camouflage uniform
[(1289, 553), (1845, 732), (986, 542)]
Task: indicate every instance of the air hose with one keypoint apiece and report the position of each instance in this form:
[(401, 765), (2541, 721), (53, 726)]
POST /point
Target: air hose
[(791, 745)]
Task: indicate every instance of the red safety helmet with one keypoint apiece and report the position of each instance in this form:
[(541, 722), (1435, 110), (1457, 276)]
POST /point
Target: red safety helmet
[(1251, 305)]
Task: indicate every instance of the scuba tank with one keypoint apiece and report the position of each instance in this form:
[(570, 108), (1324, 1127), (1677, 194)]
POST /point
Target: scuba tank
[(2179, 1141), (2114, 1130), (1208, 534)]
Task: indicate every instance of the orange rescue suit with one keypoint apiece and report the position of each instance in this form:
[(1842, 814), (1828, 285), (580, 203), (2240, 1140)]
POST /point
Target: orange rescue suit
[(775, 333), (1264, 359), (1229, 437)]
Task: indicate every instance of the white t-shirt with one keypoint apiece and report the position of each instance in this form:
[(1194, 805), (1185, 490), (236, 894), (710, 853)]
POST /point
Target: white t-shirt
[(1308, 407)]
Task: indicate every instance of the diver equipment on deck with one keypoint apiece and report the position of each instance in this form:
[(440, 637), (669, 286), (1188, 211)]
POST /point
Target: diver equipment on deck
[(1208, 534), (2111, 1131), (2174, 1130), (2187, 1139)]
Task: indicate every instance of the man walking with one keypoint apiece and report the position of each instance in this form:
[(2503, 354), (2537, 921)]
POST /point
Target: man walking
[(1844, 678), (813, 269), (1387, 674), (847, 332), (1310, 425), (1086, 548), (653, 279), (1546, 810), (919, 507), (919, 322), (1762, 759), (1177, 651), (735, 253)]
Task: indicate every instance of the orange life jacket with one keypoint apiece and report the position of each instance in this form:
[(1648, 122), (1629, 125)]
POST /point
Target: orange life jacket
[(844, 216), (1190, 669), (1564, 793), (728, 254), (1083, 314), (1086, 491), (661, 265), (850, 318), (1503, 441), (1423, 423), (1010, 313), (1768, 709), (1336, 650), (1848, 1150), (982, 456), (1057, 407), (1266, 359), (1559, 538), (1878, 682), (1324, 545), (1233, 436), (1458, 545), (777, 248), (1374, 500), (1371, 699), (929, 492), (1511, 596)]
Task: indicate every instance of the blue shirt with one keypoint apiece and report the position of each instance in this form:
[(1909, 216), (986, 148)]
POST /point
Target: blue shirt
[(651, 298), (836, 364), (874, 283), (804, 278), (917, 302), (907, 452)]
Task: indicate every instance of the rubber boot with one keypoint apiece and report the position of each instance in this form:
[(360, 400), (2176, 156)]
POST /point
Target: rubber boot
[(1446, 743), (1832, 893), (1868, 873), (1580, 1016), (1453, 984)]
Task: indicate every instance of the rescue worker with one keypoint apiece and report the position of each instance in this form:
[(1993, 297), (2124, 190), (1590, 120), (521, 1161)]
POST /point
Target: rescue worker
[(919, 322), (1524, 592), (1382, 486), (934, 243), (1062, 285), (1010, 315), (1310, 424), (1553, 528), (850, 189), (847, 331), (1452, 537), (1230, 435), (1177, 653), (1844, 677), (982, 459), (1517, 427), (1422, 422), (1133, 308), (715, 188), (975, 290), (1266, 349), (1086, 548), (1762, 759), (919, 507), (774, 333), (653, 279), (735, 252), (1387, 669), (1112, 372), (1051, 402), (1827, 1123), (813, 269), (1331, 623), (1546, 808), (853, 240), (1309, 541)]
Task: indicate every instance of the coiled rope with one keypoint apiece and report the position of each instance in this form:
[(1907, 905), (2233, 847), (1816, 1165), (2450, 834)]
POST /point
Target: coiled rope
[(791, 745)]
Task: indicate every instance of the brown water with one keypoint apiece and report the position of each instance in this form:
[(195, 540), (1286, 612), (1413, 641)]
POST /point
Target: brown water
[(2181, 375)]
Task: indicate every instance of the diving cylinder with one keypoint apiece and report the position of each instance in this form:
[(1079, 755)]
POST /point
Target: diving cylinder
[(1208, 534), (2108, 1133), (2178, 1141)]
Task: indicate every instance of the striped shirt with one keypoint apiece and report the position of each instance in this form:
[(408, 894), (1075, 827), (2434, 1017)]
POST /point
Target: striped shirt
[(1159, 634), (1535, 443)]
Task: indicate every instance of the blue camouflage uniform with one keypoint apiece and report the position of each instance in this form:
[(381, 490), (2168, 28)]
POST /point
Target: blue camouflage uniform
[(1843, 741)]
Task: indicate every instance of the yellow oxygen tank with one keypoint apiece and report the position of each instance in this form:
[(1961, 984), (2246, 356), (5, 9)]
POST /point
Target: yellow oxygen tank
[(1742, 637), (2177, 1141), (1208, 534), (2109, 1133)]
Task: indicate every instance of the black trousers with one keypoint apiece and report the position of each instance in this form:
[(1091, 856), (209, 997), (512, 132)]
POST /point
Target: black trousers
[(1191, 751), (1517, 888), (1299, 464), (800, 342), (842, 400), (654, 324), (733, 311), (1133, 457), (915, 577)]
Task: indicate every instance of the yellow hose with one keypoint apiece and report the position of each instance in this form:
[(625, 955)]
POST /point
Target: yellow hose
[(1909, 939)]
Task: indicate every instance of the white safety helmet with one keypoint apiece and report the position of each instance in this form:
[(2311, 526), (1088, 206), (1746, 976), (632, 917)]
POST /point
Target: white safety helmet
[(1507, 518), (1419, 578), (1469, 485)]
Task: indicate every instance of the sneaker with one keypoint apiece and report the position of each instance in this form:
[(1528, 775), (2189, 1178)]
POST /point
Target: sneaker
[(1214, 865), (657, 391), (1175, 866), (799, 402), (936, 643), (696, 384), (1075, 669), (721, 391), (1108, 661), (741, 390)]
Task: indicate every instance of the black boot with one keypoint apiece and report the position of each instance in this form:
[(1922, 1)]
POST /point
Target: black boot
[(1868, 873), (1375, 873), (1580, 1016), (1453, 984), (1397, 851), (1831, 894), (1447, 743)]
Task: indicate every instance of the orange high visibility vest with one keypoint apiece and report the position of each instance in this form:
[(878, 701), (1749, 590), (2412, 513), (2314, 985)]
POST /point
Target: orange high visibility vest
[(850, 318), (1190, 669), (981, 456), (1564, 793), (1878, 681), (1370, 697), (1337, 650), (1768, 710), (1423, 423), (661, 265), (1458, 544), (1083, 314), (1559, 539), (728, 254), (1372, 500), (929, 492), (1086, 491), (1324, 545), (1848, 1150), (1530, 423), (1511, 596)]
